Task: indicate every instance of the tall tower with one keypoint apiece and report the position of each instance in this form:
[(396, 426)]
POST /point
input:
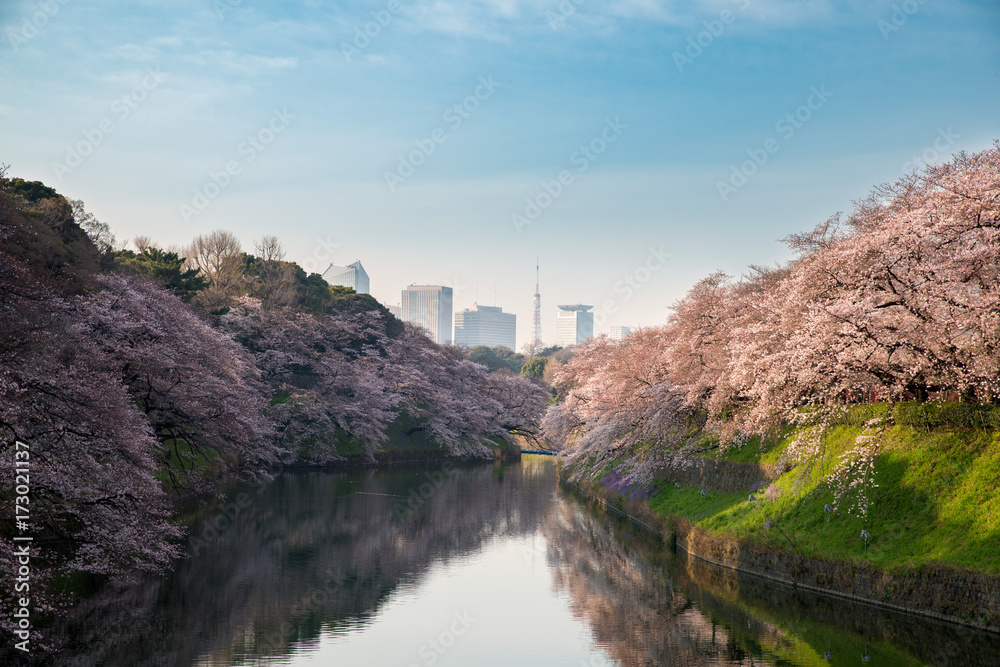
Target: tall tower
[(536, 323)]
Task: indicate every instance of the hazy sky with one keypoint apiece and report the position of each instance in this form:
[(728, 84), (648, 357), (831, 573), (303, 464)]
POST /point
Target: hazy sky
[(412, 147)]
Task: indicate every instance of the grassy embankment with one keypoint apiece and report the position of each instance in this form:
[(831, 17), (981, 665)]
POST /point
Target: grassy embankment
[(937, 499)]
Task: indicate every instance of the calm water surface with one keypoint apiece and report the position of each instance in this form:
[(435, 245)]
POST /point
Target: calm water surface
[(473, 565)]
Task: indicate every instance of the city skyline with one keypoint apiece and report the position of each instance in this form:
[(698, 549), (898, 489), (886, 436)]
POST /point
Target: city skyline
[(396, 307)]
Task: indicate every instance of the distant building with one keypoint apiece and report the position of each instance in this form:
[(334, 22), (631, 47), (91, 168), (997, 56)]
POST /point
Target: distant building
[(430, 307), (574, 324), (396, 310), (486, 325), (352, 275), (620, 332)]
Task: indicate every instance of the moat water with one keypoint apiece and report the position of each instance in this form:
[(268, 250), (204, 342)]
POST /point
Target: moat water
[(472, 565)]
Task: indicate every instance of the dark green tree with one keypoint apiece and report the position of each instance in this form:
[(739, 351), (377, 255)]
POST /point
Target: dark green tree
[(42, 231), (313, 293), (534, 367), (497, 358), (164, 268)]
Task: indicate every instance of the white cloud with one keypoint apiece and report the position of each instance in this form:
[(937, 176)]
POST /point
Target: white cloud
[(136, 52), (243, 62), (493, 20)]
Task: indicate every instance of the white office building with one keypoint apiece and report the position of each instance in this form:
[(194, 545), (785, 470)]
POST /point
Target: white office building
[(430, 307), (620, 332), (486, 325), (574, 324), (352, 275)]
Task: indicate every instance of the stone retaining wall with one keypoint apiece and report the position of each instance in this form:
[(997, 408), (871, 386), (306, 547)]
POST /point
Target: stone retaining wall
[(947, 594), (965, 597)]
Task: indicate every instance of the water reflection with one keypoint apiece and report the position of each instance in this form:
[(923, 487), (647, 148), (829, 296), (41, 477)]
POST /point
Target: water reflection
[(315, 551), (319, 560), (650, 606), (628, 599)]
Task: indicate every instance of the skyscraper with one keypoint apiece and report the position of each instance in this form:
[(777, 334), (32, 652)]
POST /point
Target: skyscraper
[(574, 325), (430, 307), (620, 332), (352, 275), (486, 325)]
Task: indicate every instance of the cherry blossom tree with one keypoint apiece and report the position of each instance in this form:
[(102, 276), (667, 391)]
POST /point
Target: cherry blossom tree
[(908, 297), (198, 388), (340, 379), (325, 373), (95, 505), (898, 300), (700, 328), (521, 400), (619, 405), (443, 391), (459, 403)]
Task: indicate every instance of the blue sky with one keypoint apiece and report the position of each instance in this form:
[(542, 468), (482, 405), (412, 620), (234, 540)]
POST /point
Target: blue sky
[(644, 108)]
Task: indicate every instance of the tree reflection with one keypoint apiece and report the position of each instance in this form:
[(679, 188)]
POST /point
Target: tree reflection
[(628, 600), (649, 606), (315, 551)]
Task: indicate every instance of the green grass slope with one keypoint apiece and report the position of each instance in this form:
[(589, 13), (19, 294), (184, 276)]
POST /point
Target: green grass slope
[(935, 500)]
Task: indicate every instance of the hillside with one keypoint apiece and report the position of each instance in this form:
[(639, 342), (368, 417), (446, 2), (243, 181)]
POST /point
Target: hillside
[(931, 498), (914, 524)]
